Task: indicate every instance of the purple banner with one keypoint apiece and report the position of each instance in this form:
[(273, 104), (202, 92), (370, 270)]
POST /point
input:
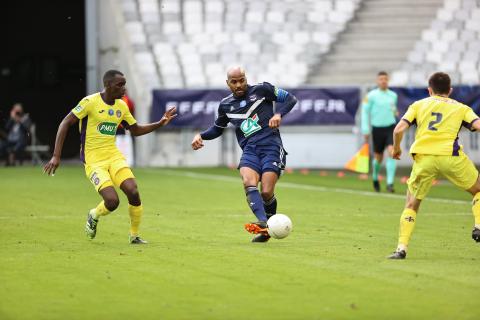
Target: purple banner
[(316, 106), (469, 95)]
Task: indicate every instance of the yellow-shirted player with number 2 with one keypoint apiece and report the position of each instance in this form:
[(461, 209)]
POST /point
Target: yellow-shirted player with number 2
[(435, 152), (99, 116)]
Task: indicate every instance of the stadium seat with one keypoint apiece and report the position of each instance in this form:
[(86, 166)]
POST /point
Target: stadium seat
[(450, 44), (188, 33)]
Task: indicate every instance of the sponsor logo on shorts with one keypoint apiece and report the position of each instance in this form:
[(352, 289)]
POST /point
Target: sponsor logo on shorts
[(95, 179), (110, 112), (250, 125), (108, 128), (119, 114)]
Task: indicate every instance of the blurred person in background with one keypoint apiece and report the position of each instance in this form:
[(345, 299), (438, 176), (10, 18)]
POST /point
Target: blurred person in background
[(17, 130), (379, 109), (124, 139)]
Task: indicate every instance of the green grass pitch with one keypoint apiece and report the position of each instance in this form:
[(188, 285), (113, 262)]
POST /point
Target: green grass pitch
[(200, 263)]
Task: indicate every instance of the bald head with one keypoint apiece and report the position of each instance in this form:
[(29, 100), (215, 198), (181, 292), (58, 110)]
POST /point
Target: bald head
[(235, 72), (236, 80)]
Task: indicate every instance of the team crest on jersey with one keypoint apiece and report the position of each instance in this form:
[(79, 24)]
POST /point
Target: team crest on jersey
[(108, 128), (110, 112), (119, 114), (243, 103), (250, 125)]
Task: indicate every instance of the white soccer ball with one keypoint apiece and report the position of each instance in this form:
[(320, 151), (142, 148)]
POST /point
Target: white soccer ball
[(279, 226)]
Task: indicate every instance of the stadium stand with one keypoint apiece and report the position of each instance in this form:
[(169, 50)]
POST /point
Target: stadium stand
[(190, 43), (378, 38), (450, 44)]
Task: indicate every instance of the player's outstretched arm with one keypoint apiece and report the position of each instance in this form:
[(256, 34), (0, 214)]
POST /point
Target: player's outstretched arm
[(211, 133), (397, 138), (139, 130), (54, 162)]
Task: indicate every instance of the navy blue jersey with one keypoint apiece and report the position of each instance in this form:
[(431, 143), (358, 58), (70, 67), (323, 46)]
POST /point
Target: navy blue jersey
[(251, 113)]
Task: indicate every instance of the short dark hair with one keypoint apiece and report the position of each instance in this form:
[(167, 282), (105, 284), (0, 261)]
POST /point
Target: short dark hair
[(440, 83), (382, 73), (110, 74)]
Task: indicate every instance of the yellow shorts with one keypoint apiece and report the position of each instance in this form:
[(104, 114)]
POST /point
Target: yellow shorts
[(460, 170), (108, 174)]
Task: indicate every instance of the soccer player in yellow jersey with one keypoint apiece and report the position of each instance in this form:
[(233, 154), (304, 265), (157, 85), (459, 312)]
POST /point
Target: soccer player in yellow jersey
[(99, 116), (435, 152)]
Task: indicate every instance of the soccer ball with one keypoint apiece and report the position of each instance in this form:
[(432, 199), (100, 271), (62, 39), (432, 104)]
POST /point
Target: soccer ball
[(279, 226)]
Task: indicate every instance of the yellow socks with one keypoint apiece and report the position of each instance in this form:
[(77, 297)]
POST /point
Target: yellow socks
[(476, 209), (99, 211), (135, 218), (407, 224)]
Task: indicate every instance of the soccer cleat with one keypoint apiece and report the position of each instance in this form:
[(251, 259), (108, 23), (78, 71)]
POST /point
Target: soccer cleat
[(260, 229), (390, 188), (376, 185), (476, 234), (137, 240), (91, 226), (261, 238), (398, 255), (257, 227)]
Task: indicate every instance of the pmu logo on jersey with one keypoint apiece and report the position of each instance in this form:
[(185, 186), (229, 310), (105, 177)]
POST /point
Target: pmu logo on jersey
[(250, 125), (108, 128)]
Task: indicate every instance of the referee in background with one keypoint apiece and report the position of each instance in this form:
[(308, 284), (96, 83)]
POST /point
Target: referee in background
[(379, 109)]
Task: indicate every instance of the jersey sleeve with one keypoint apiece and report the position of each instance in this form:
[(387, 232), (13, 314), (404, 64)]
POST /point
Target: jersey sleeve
[(222, 118), (411, 115), (366, 109), (469, 118), (395, 102), (273, 93), (81, 110), (128, 118)]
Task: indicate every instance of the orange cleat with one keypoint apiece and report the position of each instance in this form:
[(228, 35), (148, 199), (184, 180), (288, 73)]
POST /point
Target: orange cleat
[(259, 227)]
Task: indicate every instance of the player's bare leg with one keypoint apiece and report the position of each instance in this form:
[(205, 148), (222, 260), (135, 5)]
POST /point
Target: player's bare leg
[(135, 209), (269, 180), (250, 180), (110, 203), (475, 192), (407, 224), (390, 166), (377, 163)]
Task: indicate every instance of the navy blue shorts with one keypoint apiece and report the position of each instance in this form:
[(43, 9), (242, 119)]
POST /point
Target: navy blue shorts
[(264, 158)]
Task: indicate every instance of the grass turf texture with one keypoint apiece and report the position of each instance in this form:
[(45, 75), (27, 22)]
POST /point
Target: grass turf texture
[(200, 264)]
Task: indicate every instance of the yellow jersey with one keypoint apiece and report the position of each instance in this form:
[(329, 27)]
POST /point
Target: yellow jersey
[(438, 121), (98, 126)]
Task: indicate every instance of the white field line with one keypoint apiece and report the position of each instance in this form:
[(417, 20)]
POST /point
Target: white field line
[(426, 214), (298, 186)]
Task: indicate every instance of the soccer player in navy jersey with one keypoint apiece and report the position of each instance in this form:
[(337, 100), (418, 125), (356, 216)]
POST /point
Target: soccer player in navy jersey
[(252, 110)]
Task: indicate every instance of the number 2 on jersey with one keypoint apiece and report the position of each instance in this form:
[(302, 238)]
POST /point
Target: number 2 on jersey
[(438, 117)]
